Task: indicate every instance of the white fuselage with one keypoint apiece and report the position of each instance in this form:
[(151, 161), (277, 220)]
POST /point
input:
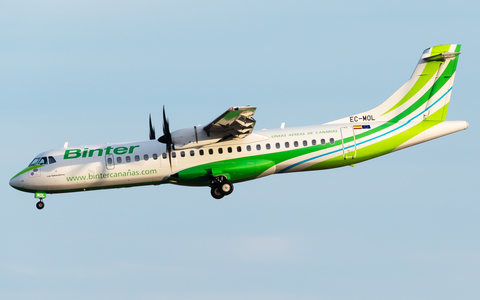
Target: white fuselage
[(147, 163)]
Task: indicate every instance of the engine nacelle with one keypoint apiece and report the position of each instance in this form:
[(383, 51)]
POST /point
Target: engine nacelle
[(193, 137)]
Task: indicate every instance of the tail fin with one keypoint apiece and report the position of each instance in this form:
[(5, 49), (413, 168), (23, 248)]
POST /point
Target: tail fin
[(427, 91)]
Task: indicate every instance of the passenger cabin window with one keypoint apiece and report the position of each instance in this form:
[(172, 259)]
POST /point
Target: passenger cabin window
[(322, 141), (128, 159), (201, 152), (155, 156), (287, 145), (239, 149), (305, 143), (145, 157), (110, 161), (229, 149), (137, 158), (295, 144), (164, 155), (249, 148), (210, 151), (314, 142), (267, 146), (174, 154), (192, 153), (182, 154), (259, 147), (51, 160), (119, 159), (277, 145), (220, 150), (332, 141)]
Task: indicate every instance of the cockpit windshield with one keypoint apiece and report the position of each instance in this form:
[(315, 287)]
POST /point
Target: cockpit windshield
[(34, 161), (38, 161)]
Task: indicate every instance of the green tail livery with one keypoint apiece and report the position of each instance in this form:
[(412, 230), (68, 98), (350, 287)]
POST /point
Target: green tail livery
[(228, 150)]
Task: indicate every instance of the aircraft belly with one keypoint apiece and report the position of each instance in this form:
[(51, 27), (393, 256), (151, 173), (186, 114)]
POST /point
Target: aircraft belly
[(235, 170)]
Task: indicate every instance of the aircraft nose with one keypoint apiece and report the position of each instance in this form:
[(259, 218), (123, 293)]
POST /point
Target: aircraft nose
[(16, 181)]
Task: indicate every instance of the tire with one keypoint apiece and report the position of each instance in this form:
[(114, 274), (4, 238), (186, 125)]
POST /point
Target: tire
[(215, 191), (226, 188), (40, 205)]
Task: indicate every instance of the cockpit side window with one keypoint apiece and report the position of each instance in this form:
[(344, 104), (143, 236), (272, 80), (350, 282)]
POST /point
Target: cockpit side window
[(51, 160), (42, 161), (34, 161)]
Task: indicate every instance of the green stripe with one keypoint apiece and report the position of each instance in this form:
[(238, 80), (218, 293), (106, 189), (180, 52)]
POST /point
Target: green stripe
[(382, 147), (92, 188), (440, 49), (26, 170), (442, 80), (431, 68)]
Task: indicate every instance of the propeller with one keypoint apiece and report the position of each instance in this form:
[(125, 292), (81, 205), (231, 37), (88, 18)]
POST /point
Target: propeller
[(152, 129), (166, 138)]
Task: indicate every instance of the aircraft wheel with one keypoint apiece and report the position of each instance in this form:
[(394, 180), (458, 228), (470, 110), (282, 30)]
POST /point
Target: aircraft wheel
[(226, 188), (215, 191), (40, 205)]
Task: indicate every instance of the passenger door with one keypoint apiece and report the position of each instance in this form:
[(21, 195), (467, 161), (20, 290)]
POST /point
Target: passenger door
[(349, 144), (109, 162)]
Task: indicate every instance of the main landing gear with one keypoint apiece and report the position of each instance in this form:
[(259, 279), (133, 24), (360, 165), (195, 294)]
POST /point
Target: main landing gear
[(40, 204), (220, 187)]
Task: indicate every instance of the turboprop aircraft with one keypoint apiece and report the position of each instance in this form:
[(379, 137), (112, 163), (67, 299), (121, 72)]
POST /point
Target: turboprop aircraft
[(227, 150)]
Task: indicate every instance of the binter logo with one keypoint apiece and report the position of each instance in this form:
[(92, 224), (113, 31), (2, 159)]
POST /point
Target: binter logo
[(76, 153)]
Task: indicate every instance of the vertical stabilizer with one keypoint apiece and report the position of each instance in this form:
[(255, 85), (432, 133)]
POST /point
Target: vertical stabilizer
[(428, 90)]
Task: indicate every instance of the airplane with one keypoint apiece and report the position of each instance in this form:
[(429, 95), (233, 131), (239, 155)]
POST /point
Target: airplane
[(227, 150)]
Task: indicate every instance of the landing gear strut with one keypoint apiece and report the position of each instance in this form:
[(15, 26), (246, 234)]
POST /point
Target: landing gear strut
[(40, 204), (220, 187)]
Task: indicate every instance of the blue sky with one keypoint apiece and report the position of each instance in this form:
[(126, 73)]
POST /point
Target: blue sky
[(403, 226)]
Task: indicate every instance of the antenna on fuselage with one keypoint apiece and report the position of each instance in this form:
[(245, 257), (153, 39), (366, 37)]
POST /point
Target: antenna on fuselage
[(65, 145)]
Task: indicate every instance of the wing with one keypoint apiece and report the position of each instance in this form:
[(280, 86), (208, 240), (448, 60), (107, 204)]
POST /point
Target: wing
[(235, 122)]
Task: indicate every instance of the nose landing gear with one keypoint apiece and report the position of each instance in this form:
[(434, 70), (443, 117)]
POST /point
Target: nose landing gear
[(40, 204), (220, 187), (40, 196)]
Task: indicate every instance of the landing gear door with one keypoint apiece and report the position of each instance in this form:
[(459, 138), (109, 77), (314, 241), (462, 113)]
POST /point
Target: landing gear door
[(109, 162), (349, 143)]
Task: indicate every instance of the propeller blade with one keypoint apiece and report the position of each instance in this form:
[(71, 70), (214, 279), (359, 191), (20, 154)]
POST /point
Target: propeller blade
[(169, 151), (166, 138), (152, 129)]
